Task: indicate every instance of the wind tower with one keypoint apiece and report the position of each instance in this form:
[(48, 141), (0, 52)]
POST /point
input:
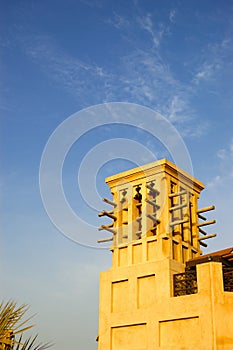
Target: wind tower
[(156, 230)]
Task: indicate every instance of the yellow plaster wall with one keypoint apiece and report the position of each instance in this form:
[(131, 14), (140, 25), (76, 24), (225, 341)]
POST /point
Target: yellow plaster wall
[(140, 312), (146, 289), (129, 337), (177, 331)]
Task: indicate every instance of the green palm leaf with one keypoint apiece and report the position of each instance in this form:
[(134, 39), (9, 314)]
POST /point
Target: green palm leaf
[(14, 322)]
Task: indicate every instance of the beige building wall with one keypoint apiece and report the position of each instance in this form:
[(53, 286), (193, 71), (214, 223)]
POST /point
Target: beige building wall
[(138, 309)]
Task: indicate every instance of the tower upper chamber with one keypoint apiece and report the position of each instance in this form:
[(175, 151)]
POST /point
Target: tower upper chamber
[(157, 203)]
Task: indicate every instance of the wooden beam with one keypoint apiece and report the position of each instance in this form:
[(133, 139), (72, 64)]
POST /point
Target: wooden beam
[(153, 203), (228, 255), (152, 217), (178, 206), (102, 240), (106, 200), (203, 210), (203, 244), (201, 217), (108, 214), (107, 228), (210, 222), (151, 188), (178, 222), (207, 237), (202, 231), (177, 194)]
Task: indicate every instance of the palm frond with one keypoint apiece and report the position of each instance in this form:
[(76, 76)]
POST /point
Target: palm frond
[(12, 323)]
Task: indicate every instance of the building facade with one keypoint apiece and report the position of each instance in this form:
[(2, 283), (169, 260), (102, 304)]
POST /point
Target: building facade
[(161, 292)]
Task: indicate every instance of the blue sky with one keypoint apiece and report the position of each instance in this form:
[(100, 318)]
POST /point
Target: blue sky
[(58, 57)]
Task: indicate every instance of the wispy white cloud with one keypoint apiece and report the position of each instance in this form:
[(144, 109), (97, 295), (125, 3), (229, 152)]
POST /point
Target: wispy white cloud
[(141, 74), (226, 154), (78, 77), (147, 24), (177, 110), (214, 181), (118, 21), (214, 60), (225, 167), (206, 72), (172, 15)]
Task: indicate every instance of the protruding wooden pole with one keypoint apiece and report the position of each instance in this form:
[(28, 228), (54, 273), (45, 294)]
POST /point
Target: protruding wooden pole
[(103, 240), (107, 228), (106, 200), (207, 237), (203, 244), (206, 223), (203, 210), (107, 213)]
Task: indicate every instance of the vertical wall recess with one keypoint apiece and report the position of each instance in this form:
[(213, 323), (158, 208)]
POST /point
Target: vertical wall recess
[(130, 337), (120, 296), (146, 291)]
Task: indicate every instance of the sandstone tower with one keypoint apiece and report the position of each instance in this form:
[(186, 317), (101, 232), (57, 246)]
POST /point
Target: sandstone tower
[(161, 292)]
